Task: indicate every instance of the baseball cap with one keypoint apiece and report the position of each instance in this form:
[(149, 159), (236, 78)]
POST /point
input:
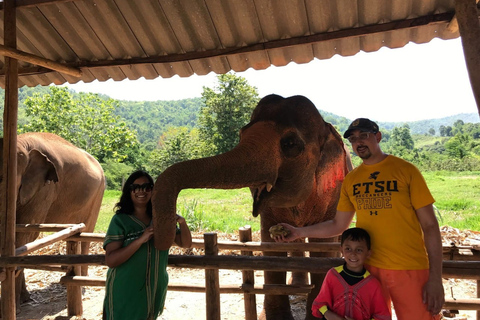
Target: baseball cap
[(362, 124)]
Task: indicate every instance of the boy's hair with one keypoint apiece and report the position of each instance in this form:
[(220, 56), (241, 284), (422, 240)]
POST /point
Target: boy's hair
[(356, 234)]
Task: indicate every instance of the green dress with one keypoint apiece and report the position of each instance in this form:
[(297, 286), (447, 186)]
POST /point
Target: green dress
[(136, 289)]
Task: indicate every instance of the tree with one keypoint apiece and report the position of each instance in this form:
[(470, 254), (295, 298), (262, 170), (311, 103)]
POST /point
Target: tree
[(431, 131), (227, 109), (458, 127), (401, 137), (86, 120), (458, 146), (176, 144), (443, 130)]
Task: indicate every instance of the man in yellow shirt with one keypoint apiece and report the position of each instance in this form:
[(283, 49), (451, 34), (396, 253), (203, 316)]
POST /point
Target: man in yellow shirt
[(393, 203)]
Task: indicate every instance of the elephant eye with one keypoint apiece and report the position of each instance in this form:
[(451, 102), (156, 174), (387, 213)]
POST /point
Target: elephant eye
[(291, 145)]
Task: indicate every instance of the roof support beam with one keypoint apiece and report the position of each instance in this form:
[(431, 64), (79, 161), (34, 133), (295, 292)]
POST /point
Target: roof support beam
[(9, 169), (50, 64), (469, 26)]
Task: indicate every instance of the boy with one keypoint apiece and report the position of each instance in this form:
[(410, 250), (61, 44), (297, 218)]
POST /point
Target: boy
[(349, 291)]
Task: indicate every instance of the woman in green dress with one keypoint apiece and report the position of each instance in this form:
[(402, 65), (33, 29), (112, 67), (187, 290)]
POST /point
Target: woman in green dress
[(137, 277)]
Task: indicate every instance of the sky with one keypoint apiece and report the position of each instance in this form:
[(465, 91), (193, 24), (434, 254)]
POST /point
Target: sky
[(416, 82)]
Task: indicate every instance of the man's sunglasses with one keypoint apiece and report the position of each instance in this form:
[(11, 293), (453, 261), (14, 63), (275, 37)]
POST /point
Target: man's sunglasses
[(146, 187), (361, 137)]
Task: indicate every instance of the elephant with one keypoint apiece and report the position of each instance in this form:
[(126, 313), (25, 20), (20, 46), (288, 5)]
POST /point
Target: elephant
[(56, 183), (294, 164)]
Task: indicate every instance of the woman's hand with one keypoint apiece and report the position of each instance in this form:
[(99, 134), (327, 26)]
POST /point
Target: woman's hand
[(184, 238), (146, 235)]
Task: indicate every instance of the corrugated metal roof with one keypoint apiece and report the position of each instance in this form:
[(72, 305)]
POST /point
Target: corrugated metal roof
[(119, 39)]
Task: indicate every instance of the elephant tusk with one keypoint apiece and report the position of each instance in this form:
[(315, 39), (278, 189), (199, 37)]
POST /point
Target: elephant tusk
[(269, 187)]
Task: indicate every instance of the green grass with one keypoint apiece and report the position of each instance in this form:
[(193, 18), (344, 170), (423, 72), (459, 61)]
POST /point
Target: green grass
[(110, 198), (457, 196), (212, 210)]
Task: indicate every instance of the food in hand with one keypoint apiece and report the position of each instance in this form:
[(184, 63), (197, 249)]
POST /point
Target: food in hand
[(278, 230)]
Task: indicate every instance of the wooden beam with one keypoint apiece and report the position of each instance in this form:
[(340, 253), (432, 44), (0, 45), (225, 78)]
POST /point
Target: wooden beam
[(50, 64), (40, 243), (9, 188), (451, 269), (467, 15), (42, 227)]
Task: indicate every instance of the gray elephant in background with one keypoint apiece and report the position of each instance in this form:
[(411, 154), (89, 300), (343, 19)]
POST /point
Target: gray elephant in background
[(56, 183), (294, 164)]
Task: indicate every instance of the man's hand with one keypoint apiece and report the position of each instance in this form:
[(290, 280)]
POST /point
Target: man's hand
[(292, 235), (434, 296)]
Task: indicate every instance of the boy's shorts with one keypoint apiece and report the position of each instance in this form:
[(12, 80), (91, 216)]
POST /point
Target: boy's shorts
[(404, 289)]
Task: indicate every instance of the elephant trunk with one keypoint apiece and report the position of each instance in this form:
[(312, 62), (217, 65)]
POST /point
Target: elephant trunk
[(249, 164)]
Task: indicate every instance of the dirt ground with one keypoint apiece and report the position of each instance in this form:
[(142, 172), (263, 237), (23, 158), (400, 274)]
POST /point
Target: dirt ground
[(48, 297)]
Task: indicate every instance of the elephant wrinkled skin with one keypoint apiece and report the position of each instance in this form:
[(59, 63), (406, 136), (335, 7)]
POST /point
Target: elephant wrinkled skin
[(292, 161), (56, 183)]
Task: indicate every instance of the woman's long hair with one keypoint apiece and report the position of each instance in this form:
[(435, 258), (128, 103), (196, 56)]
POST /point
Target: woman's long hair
[(125, 205)]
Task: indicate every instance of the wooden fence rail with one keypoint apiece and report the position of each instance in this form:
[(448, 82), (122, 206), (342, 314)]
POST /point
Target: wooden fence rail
[(459, 265)]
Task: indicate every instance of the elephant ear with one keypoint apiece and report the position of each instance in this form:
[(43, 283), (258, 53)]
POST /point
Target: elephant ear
[(335, 162), (39, 171)]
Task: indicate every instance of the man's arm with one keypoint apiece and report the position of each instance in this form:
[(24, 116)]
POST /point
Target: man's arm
[(433, 292), (324, 229)]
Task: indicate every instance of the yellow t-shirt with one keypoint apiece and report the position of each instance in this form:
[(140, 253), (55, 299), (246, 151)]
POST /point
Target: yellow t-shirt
[(385, 196)]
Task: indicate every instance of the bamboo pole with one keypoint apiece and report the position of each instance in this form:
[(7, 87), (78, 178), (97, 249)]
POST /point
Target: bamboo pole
[(39, 61), (8, 194), (43, 227), (248, 276), (40, 243)]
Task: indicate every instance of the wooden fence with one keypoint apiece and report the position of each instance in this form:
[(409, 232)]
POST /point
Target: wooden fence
[(459, 263)]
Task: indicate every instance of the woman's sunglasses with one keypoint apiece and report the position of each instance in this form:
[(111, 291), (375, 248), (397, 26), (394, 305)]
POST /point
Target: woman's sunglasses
[(146, 187)]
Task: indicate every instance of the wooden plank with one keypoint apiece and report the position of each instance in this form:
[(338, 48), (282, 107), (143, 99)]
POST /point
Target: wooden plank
[(272, 246), (74, 292), (224, 289), (44, 227), (451, 269), (40, 243), (212, 281), (467, 16), (52, 260), (462, 304), (248, 276)]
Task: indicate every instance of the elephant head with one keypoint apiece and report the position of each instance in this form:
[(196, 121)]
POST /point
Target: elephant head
[(34, 171), (287, 155)]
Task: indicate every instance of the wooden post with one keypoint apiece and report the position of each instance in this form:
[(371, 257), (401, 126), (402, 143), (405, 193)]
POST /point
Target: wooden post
[(248, 276), (212, 282), (467, 16), (74, 292), (478, 296), (9, 187)]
